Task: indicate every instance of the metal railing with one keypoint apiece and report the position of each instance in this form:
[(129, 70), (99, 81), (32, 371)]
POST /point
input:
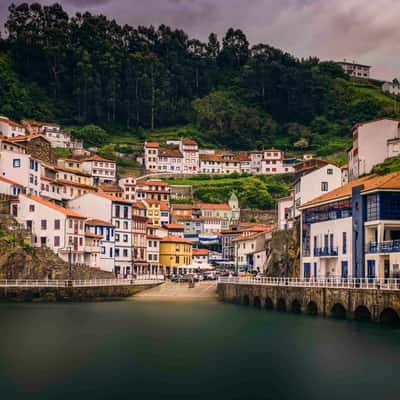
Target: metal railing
[(53, 283), (389, 246), (325, 251), (332, 282)]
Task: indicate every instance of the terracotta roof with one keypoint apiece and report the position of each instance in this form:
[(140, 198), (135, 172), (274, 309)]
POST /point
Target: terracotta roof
[(6, 180), (211, 206), (242, 238), (109, 187), (65, 211), (172, 153), (175, 239), (174, 227), (162, 204), (183, 217), (92, 235), (112, 198), (153, 226), (24, 138), (98, 222), (189, 142), (371, 182), (345, 166), (200, 252), (151, 183), (259, 228), (5, 140), (153, 145), (75, 171), (76, 184), (97, 158), (10, 122), (138, 204), (210, 157), (181, 206)]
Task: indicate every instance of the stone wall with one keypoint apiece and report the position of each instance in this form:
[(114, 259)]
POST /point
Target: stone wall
[(357, 304), (260, 216), (71, 294)]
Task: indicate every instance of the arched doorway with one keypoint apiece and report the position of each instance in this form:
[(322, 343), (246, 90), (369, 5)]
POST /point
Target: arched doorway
[(296, 307), (362, 314), (281, 304), (338, 311), (257, 302), (312, 308), (269, 304), (389, 317), (246, 300)]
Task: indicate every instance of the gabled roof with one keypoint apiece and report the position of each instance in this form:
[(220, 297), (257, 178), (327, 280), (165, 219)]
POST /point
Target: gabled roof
[(97, 158), (76, 184), (212, 206), (175, 239), (154, 145), (65, 211), (242, 238), (92, 235), (27, 138), (200, 252), (174, 227), (189, 142), (10, 122), (151, 183), (138, 204), (374, 120), (171, 153)]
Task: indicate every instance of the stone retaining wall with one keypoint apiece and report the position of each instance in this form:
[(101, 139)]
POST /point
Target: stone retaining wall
[(72, 294)]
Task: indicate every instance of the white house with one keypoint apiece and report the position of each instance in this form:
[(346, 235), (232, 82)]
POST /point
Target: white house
[(190, 150), (373, 142), (52, 226), (101, 169), (9, 128), (10, 187), (284, 208), (116, 211), (391, 88), (21, 168), (151, 156), (272, 162), (316, 183), (355, 70)]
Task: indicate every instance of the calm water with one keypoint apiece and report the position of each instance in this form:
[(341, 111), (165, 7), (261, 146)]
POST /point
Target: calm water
[(190, 350)]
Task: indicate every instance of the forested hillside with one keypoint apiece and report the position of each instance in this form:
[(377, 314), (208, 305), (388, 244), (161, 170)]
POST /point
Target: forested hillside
[(88, 69)]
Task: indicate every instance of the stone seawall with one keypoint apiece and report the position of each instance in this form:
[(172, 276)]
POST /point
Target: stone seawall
[(72, 294), (358, 304)]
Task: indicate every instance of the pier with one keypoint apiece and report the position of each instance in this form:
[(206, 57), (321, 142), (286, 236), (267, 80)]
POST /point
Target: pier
[(359, 299)]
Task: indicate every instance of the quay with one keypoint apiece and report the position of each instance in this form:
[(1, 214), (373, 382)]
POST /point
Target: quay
[(74, 290), (358, 299)]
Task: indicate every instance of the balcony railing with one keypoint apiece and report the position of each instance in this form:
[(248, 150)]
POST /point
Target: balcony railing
[(325, 252), (389, 246)]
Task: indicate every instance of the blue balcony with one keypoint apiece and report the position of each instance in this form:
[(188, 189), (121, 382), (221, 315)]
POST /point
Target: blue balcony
[(389, 246), (325, 252)]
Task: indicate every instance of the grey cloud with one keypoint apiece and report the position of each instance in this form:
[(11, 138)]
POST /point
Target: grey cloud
[(366, 31)]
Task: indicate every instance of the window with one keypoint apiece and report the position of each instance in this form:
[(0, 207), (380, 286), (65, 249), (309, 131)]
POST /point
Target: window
[(31, 208), (117, 211), (57, 224), (56, 241), (125, 225), (344, 242), (16, 163), (177, 259), (117, 237), (125, 212), (125, 238), (324, 186), (117, 224), (125, 252), (43, 224)]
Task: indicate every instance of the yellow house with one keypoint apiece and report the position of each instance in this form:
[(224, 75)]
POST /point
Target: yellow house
[(176, 255), (153, 212)]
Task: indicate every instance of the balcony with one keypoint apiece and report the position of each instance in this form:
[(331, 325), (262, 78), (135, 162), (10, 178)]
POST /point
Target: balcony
[(389, 246), (325, 252)]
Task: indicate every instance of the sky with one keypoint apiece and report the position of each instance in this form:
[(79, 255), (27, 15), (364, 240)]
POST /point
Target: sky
[(365, 31)]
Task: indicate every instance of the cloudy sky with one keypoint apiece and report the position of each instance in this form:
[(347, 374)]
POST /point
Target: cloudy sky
[(367, 31)]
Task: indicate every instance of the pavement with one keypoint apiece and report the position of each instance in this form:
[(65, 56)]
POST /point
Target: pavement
[(176, 291)]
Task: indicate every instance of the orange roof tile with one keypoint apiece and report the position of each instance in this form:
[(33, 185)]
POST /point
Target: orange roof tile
[(172, 153), (76, 184), (212, 206), (92, 235), (98, 222), (65, 211), (153, 145), (97, 158), (200, 252), (6, 180), (174, 227), (189, 142), (175, 239), (10, 122), (24, 138)]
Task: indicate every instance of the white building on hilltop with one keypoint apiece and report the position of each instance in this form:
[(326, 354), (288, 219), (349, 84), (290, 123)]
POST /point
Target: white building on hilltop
[(9, 128), (373, 142)]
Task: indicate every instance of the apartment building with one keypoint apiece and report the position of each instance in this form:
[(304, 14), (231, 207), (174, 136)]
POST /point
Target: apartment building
[(150, 157), (139, 240), (116, 211), (353, 231), (273, 163), (175, 255), (53, 226), (153, 240), (355, 70), (373, 142), (101, 169)]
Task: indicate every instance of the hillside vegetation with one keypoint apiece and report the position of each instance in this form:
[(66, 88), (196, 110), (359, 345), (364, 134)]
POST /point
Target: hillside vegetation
[(142, 83)]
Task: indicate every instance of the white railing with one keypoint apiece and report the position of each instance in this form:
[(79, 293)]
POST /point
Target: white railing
[(340, 283), (53, 283)]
